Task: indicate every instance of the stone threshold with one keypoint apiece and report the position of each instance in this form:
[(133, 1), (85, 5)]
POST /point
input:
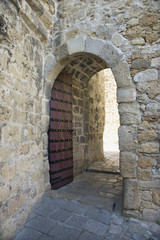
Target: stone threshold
[(107, 171)]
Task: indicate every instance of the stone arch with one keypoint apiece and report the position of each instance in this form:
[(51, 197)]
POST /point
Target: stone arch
[(105, 50), (112, 57)]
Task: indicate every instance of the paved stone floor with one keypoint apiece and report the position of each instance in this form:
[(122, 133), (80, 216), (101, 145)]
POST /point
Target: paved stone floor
[(87, 209), (110, 163)]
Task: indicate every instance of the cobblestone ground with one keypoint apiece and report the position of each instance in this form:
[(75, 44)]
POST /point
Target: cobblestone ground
[(87, 209)]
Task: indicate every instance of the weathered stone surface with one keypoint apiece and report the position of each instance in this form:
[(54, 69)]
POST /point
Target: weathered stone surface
[(111, 55), (50, 62), (126, 138), (156, 197), (148, 20), (120, 36), (138, 41), (133, 22), (145, 162), (76, 45), (118, 39), (94, 46), (149, 184), (5, 114), (128, 161), (149, 147), (144, 174), (155, 62), (129, 113), (147, 75), (122, 74), (152, 108), (140, 63), (150, 215), (147, 136), (151, 117), (126, 95), (131, 194)]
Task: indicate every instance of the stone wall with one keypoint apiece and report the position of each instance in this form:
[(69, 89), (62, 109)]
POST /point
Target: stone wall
[(96, 111), (122, 35), (109, 29), (21, 159)]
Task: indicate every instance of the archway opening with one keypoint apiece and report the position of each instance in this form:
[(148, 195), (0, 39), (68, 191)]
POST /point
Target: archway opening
[(88, 79), (104, 120), (112, 123)]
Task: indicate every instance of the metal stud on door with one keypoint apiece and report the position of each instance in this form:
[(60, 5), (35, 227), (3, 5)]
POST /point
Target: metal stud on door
[(60, 132)]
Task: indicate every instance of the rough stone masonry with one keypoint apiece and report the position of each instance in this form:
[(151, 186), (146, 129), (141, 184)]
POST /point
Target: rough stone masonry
[(38, 40)]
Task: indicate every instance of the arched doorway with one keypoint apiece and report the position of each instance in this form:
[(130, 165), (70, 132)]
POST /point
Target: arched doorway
[(71, 56)]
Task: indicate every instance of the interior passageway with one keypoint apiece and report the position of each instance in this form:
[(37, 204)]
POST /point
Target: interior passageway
[(110, 160)]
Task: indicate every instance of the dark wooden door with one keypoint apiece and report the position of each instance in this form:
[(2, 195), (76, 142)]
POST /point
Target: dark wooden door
[(60, 132)]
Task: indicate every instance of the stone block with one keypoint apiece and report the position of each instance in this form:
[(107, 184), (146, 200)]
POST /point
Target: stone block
[(146, 185), (95, 227), (93, 45), (150, 215), (126, 138), (146, 195), (98, 215), (72, 34), (147, 75), (144, 174), (27, 233), (140, 63), (13, 70), (5, 153), (41, 224), (131, 200), (151, 117), (155, 62), (152, 108), (5, 114), (77, 222), (138, 41), (129, 113), (61, 52), (45, 141), (147, 136), (150, 147), (156, 197), (126, 95), (122, 74), (64, 232), (144, 161), (133, 22), (45, 123), (111, 55), (118, 39), (59, 215), (148, 19), (45, 106), (76, 45), (50, 62), (47, 89), (10, 134), (131, 214), (128, 164)]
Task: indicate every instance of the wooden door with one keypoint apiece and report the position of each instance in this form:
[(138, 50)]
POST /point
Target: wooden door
[(60, 132)]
